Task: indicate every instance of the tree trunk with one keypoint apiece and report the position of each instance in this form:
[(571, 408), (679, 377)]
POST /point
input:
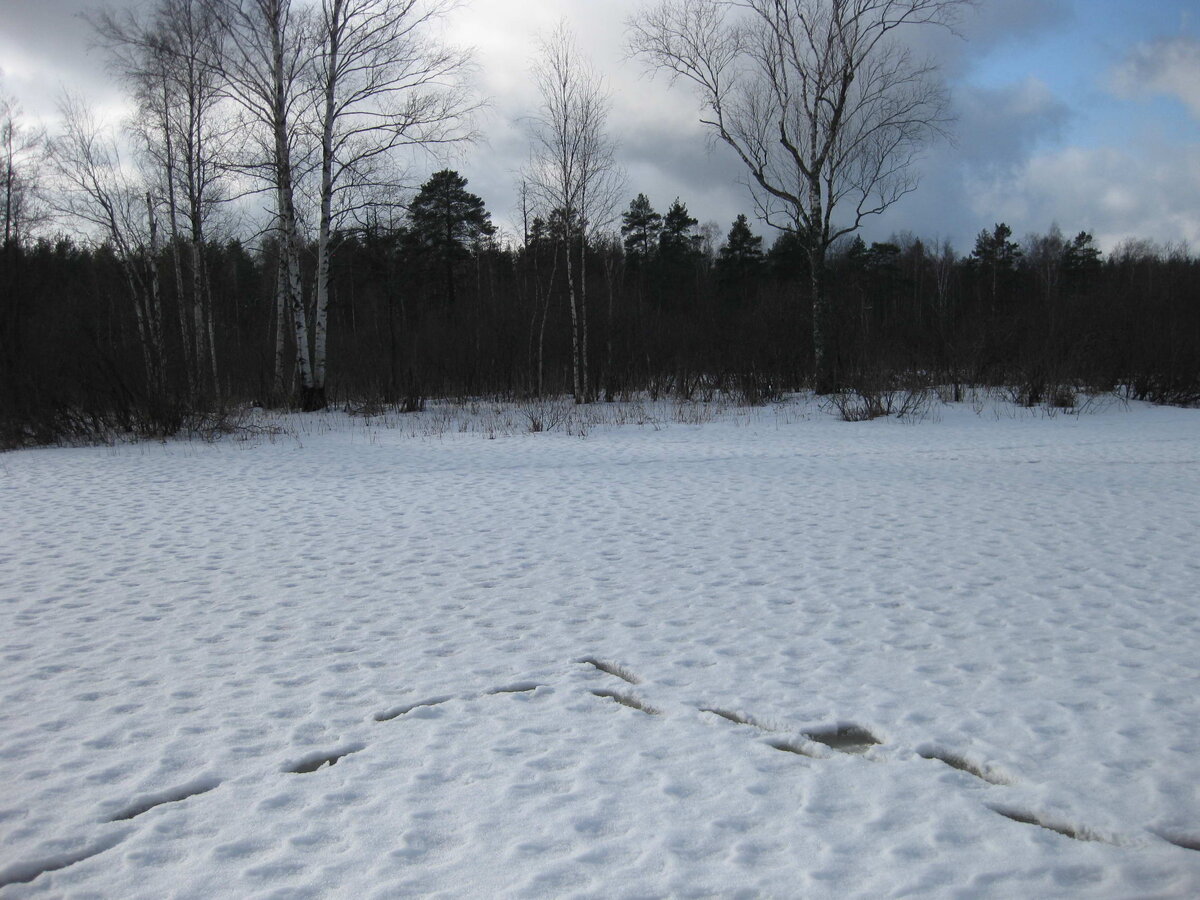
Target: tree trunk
[(822, 324), (199, 331), (278, 384), (316, 398), (610, 264), (177, 263), (9, 177), (212, 341), (310, 397), (583, 337), (154, 301), (572, 298)]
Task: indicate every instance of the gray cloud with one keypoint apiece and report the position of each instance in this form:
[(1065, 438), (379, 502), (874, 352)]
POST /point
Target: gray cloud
[(1166, 66), (666, 153), (987, 26), (1010, 160), (1111, 193), (46, 45), (999, 127)]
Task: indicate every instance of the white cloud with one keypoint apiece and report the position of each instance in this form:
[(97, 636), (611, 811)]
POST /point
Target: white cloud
[(1167, 66), (1111, 193)]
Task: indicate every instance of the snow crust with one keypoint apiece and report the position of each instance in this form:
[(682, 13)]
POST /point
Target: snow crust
[(771, 655)]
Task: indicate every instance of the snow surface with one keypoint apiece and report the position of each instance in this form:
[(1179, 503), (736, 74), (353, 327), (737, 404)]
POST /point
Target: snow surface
[(356, 661)]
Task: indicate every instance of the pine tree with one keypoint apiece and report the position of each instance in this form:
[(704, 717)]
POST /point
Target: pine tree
[(678, 241), (739, 262), (741, 256), (996, 256), (640, 227), (447, 222), (787, 258), (1081, 254)]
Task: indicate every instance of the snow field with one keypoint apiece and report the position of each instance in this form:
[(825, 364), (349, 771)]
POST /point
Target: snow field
[(654, 662)]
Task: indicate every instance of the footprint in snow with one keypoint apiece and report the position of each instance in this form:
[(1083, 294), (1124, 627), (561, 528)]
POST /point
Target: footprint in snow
[(849, 738), (23, 873), (741, 719), (521, 687), (990, 774), (610, 668), (627, 700), (1185, 841), (147, 802), (1076, 833), (321, 760), (397, 711)]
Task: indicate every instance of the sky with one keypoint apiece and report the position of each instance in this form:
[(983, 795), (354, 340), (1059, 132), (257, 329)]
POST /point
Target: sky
[(1083, 114)]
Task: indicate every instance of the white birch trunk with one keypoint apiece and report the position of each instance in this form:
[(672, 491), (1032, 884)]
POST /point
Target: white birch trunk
[(154, 301), (583, 338), (279, 385), (329, 112), (572, 301), (287, 213)]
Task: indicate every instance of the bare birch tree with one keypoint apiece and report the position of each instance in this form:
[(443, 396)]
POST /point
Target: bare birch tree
[(263, 70), (384, 83), (21, 150), (96, 190), (170, 57), (821, 101), (572, 170)]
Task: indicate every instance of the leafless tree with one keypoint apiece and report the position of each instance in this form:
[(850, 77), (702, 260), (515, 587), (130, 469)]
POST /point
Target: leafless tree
[(21, 151), (573, 172), (170, 57), (98, 191), (384, 83), (613, 258), (543, 283), (263, 70), (820, 99)]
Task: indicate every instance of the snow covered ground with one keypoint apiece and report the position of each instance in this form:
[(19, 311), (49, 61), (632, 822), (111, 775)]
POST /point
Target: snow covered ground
[(375, 662)]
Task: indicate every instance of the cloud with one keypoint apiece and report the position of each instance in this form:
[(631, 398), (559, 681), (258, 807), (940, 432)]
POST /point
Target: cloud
[(1111, 193), (46, 45), (1165, 66), (998, 131), (1009, 161), (1000, 127), (985, 26)]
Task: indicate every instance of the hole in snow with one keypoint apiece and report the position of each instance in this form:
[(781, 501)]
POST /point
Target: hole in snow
[(789, 747), (315, 761), (1029, 819), (396, 712), (23, 873), (1186, 841), (611, 668), (627, 700), (174, 795), (521, 687), (735, 717), (844, 738), (954, 761)]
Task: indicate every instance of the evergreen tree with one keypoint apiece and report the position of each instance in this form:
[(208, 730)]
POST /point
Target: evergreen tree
[(640, 227), (741, 257), (787, 258), (678, 240), (446, 223), (994, 249), (1081, 254), (996, 256)]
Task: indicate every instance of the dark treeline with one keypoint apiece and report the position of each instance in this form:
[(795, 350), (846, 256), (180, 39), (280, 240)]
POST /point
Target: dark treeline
[(435, 307)]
